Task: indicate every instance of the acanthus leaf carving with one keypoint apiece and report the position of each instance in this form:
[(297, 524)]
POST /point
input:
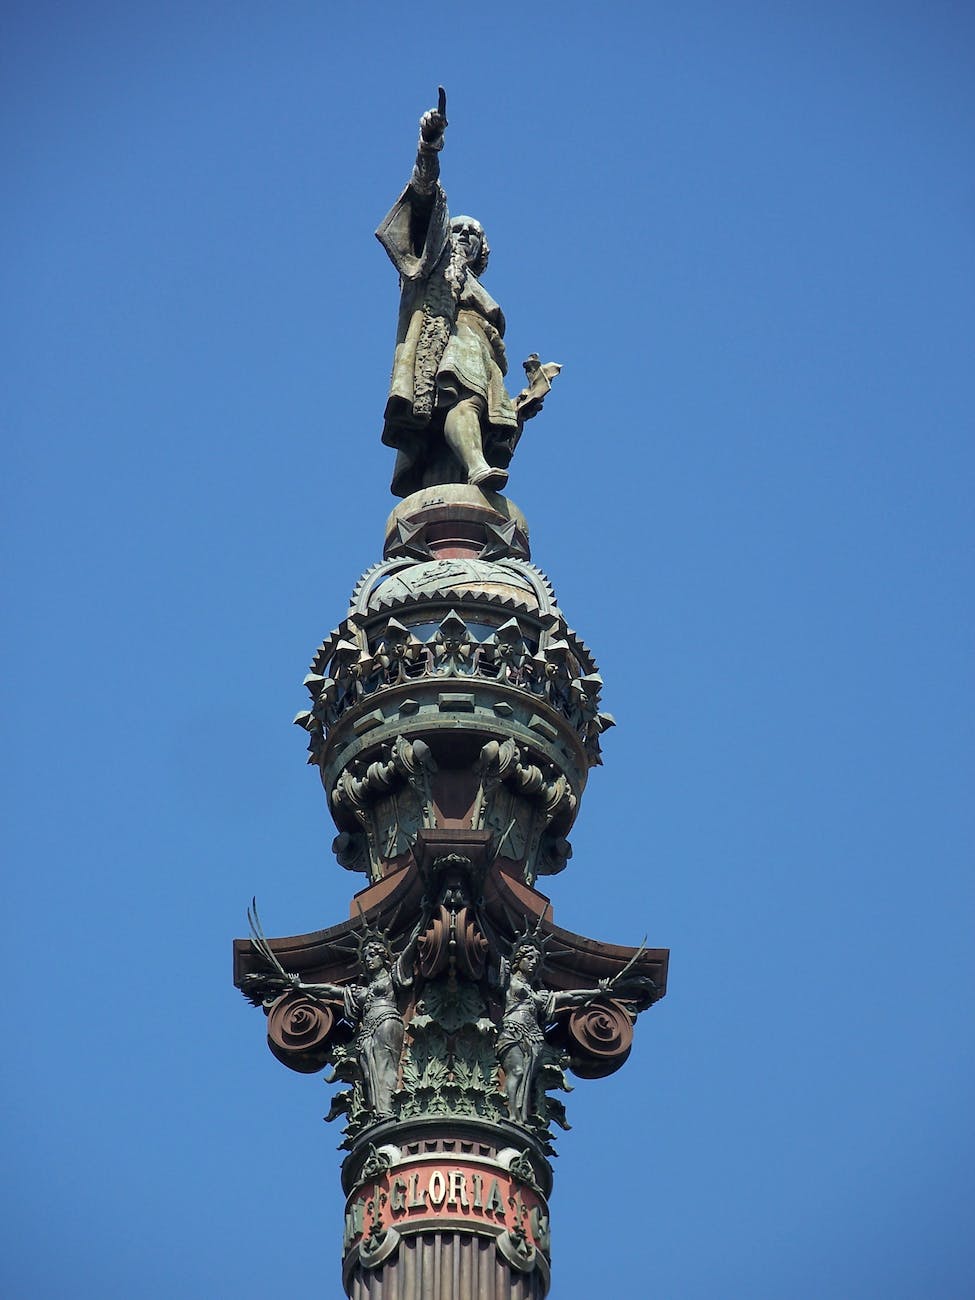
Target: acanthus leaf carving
[(548, 792)]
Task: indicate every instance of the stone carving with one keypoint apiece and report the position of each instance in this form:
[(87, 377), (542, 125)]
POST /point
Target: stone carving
[(452, 942), (521, 1167), (374, 793), (448, 413), (503, 762), (449, 1067), (375, 1163), (397, 652), (425, 1034), (301, 1019), (398, 583), (513, 653), (514, 1246), (371, 1006), (409, 761), (549, 662), (554, 852), (528, 1008), (600, 1037), (528, 808), (521, 1044), (454, 653), (351, 849), (300, 1031)]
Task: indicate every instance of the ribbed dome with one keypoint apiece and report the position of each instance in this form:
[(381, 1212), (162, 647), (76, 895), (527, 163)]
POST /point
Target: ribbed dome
[(451, 579)]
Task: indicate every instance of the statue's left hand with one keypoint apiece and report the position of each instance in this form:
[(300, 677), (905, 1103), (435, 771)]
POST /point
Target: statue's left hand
[(529, 401)]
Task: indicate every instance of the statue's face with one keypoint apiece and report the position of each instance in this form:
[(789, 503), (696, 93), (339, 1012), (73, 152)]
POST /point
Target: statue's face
[(374, 957), (469, 237), (528, 961)]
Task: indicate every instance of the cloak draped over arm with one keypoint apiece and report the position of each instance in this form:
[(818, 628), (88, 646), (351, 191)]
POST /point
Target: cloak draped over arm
[(414, 231), (448, 337)]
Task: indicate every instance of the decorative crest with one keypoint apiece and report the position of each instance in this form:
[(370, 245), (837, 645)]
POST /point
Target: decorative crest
[(368, 934)]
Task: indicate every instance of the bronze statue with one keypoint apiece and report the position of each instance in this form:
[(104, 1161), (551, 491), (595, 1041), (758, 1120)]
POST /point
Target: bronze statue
[(448, 414), (370, 1006), (527, 1009)]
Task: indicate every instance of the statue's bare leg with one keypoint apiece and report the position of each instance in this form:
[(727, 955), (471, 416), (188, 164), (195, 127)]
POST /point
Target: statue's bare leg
[(462, 431), (514, 1066)]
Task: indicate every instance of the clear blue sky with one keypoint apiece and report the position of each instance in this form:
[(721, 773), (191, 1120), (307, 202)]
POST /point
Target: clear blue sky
[(746, 230)]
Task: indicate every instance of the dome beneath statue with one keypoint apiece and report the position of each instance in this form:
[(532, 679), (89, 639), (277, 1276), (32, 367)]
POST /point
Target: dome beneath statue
[(455, 579)]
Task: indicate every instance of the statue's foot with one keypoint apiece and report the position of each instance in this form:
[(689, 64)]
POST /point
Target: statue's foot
[(489, 477)]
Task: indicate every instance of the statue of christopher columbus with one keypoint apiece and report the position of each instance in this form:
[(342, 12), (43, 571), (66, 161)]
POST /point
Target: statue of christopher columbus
[(448, 414)]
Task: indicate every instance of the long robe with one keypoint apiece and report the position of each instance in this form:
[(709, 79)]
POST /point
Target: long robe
[(526, 1011), (449, 345), (378, 1040)]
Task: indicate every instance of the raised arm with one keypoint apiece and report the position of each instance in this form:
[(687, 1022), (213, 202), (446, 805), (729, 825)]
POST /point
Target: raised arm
[(414, 231), (426, 169), (403, 965)]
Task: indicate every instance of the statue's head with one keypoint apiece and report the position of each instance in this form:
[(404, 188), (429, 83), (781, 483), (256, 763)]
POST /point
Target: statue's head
[(374, 950), (375, 955), (528, 954), (468, 235)]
